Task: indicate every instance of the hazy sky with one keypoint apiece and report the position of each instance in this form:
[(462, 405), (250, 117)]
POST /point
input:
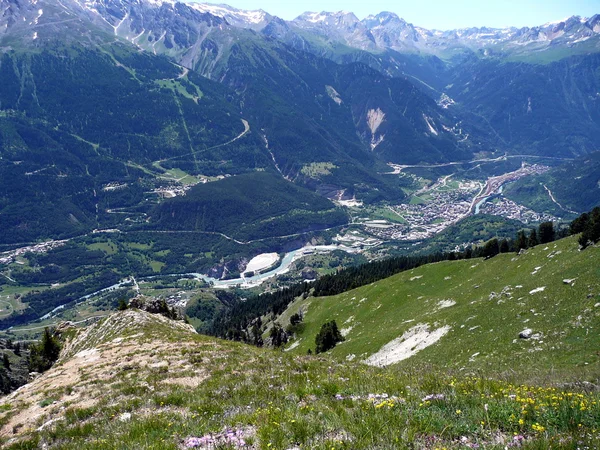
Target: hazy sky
[(438, 14)]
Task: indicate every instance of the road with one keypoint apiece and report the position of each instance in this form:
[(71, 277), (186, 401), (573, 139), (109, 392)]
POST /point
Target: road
[(398, 168)]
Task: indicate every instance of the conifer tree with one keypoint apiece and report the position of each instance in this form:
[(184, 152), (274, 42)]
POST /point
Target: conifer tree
[(547, 233), (533, 239), (521, 241)]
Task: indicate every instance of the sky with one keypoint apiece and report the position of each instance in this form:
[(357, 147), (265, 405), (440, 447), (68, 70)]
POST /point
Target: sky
[(437, 14)]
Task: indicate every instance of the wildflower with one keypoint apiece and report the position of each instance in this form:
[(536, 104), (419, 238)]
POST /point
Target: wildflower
[(430, 397), (537, 427)]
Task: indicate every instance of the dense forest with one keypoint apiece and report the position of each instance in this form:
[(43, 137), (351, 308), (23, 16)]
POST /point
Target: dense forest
[(250, 206)]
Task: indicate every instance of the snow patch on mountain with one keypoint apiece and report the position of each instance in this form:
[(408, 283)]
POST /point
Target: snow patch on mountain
[(231, 14)]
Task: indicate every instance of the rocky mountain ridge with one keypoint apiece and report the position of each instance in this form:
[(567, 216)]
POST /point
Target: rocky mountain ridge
[(167, 26)]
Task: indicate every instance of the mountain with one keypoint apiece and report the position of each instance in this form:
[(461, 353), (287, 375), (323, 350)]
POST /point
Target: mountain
[(301, 109), (388, 31), (571, 188), (248, 207), (255, 20), (135, 379), (75, 124)]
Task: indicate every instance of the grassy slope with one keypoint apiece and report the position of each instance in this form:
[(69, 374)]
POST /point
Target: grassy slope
[(140, 381), (481, 322)]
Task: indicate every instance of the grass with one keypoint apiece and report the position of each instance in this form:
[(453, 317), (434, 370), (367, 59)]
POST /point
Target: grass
[(177, 87), (415, 200), (157, 265), (280, 401), (317, 170), (107, 247), (494, 304), (386, 214)]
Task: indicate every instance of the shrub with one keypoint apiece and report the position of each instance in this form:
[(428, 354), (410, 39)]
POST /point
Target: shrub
[(295, 319), (122, 304)]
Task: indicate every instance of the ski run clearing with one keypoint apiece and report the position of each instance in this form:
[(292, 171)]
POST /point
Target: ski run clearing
[(407, 345)]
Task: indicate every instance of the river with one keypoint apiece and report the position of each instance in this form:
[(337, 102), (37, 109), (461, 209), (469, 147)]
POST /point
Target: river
[(485, 199), (283, 267)]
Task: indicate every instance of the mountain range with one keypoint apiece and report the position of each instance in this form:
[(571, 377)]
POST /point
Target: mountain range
[(108, 106)]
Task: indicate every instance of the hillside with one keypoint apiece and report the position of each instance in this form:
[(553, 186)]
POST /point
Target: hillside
[(250, 206), (468, 314), (137, 380), (573, 186)]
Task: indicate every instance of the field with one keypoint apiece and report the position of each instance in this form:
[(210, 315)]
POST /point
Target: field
[(479, 308)]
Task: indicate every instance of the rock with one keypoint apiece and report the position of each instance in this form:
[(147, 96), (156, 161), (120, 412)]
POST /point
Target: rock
[(526, 333), (33, 375), (125, 417), (64, 326), (155, 305)]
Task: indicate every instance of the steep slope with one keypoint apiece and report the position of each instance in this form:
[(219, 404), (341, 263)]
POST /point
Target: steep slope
[(550, 110), (136, 380), (468, 314), (248, 207), (571, 187), (78, 124)]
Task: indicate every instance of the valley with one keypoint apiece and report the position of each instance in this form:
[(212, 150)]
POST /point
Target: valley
[(432, 206), (222, 229)]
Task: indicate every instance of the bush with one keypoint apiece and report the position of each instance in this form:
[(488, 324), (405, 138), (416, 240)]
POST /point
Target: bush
[(328, 337), (295, 319)]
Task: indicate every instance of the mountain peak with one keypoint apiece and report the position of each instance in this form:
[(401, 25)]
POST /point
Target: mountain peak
[(237, 17), (328, 17)]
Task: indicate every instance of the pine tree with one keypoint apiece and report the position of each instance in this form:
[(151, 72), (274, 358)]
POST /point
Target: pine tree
[(491, 248), (328, 337), (44, 353), (278, 336), (547, 233), (533, 239), (521, 241)]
